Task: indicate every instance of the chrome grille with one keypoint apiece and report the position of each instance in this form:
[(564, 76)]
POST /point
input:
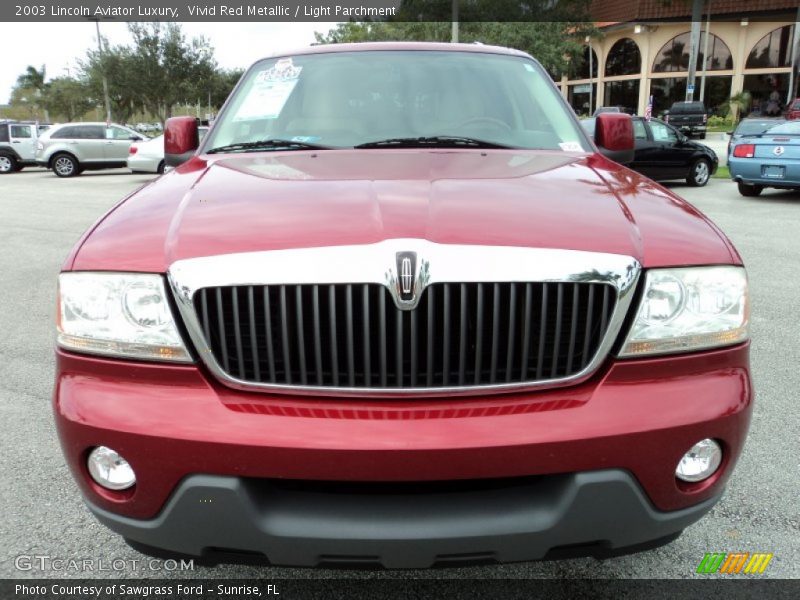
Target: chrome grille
[(354, 336)]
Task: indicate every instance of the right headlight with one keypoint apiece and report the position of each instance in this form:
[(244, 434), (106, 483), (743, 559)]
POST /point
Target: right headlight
[(691, 308)]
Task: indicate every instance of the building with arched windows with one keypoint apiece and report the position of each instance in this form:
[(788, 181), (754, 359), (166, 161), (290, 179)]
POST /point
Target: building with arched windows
[(746, 46)]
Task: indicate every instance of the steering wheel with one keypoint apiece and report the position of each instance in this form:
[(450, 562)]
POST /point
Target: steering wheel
[(487, 120)]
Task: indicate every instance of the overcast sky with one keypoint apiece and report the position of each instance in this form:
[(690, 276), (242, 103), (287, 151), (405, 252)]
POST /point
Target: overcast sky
[(58, 45)]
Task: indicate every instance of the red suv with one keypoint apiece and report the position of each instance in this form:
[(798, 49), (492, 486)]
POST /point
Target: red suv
[(398, 308), (793, 112)]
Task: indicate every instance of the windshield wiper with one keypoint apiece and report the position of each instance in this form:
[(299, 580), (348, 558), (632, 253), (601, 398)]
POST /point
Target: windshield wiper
[(274, 144), (439, 141)]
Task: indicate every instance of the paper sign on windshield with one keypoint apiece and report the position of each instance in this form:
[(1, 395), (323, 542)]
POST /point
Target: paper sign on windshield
[(271, 89)]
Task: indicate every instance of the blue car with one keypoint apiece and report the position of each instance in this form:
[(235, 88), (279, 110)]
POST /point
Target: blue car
[(769, 159)]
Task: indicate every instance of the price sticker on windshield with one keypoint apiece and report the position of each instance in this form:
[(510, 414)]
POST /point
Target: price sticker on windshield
[(270, 91)]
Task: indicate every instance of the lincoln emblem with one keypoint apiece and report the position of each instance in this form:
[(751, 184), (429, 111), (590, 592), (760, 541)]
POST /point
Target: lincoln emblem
[(406, 270)]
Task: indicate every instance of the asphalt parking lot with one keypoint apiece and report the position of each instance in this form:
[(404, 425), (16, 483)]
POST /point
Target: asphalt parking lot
[(42, 216)]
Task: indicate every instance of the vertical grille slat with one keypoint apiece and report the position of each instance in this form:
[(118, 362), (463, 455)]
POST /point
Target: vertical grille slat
[(495, 332), (462, 336), (573, 327), (287, 361), (446, 335), (557, 338), (223, 338), (351, 351), (367, 355), (355, 336), (526, 332), (382, 336), (479, 335), (301, 338), (251, 314), (429, 352), (237, 332), (334, 345), (317, 335), (268, 336), (512, 317)]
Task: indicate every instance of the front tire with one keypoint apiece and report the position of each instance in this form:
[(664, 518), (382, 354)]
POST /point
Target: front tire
[(65, 165), (699, 173), (160, 169), (8, 164), (750, 190)]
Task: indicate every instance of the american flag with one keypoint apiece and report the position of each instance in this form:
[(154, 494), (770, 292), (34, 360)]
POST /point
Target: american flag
[(648, 111)]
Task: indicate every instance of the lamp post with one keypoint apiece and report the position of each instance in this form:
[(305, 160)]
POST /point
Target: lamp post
[(705, 54), (591, 74), (454, 30)]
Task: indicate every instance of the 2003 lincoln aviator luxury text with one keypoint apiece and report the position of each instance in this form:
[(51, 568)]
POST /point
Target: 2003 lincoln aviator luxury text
[(398, 309)]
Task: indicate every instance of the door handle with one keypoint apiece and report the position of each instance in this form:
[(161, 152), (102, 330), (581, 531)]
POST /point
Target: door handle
[(16, 142)]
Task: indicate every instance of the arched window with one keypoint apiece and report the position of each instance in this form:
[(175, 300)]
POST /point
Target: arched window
[(581, 69), (773, 50), (674, 55), (623, 58)]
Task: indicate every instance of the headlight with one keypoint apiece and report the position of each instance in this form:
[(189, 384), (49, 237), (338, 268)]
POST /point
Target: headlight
[(119, 314), (690, 309)]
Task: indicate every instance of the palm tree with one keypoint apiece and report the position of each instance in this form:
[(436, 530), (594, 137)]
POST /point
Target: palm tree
[(34, 79), (739, 103)]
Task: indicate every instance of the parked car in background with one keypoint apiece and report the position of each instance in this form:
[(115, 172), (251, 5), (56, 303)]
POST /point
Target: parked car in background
[(793, 111), (399, 309), (71, 148), (768, 159), (17, 145), (663, 153), (148, 157), (689, 118), (752, 125)]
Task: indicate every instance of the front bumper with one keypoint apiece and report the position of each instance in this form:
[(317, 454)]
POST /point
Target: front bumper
[(185, 434), (601, 511)]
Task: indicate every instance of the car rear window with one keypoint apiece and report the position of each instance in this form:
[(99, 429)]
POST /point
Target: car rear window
[(687, 107)]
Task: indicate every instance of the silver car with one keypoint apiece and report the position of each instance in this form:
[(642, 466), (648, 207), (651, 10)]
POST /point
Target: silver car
[(17, 145), (148, 157), (71, 148)]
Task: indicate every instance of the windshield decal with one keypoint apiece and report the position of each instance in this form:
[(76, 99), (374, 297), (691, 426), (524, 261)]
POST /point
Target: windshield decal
[(571, 146), (271, 89)]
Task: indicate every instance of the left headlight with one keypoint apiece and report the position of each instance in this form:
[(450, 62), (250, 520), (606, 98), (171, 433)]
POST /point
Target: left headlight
[(688, 309), (118, 314)]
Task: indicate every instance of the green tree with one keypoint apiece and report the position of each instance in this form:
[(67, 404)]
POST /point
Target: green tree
[(221, 85), (551, 42), (168, 68), (31, 91), (117, 64), (68, 98)]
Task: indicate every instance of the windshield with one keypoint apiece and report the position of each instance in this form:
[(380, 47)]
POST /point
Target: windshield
[(346, 99)]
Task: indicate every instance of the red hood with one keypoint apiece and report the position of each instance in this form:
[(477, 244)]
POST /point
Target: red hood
[(273, 201)]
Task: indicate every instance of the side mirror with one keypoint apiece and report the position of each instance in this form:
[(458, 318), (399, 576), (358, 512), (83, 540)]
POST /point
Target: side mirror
[(134, 138), (613, 135), (180, 140)]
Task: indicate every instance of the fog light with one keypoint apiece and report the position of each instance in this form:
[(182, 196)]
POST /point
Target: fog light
[(700, 462), (109, 469)]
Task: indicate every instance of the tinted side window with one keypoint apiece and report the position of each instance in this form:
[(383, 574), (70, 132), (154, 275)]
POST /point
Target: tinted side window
[(65, 133), (3, 133), (91, 132), (21, 131)]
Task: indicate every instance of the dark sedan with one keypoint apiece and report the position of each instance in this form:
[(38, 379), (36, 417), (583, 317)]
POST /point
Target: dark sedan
[(663, 153)]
